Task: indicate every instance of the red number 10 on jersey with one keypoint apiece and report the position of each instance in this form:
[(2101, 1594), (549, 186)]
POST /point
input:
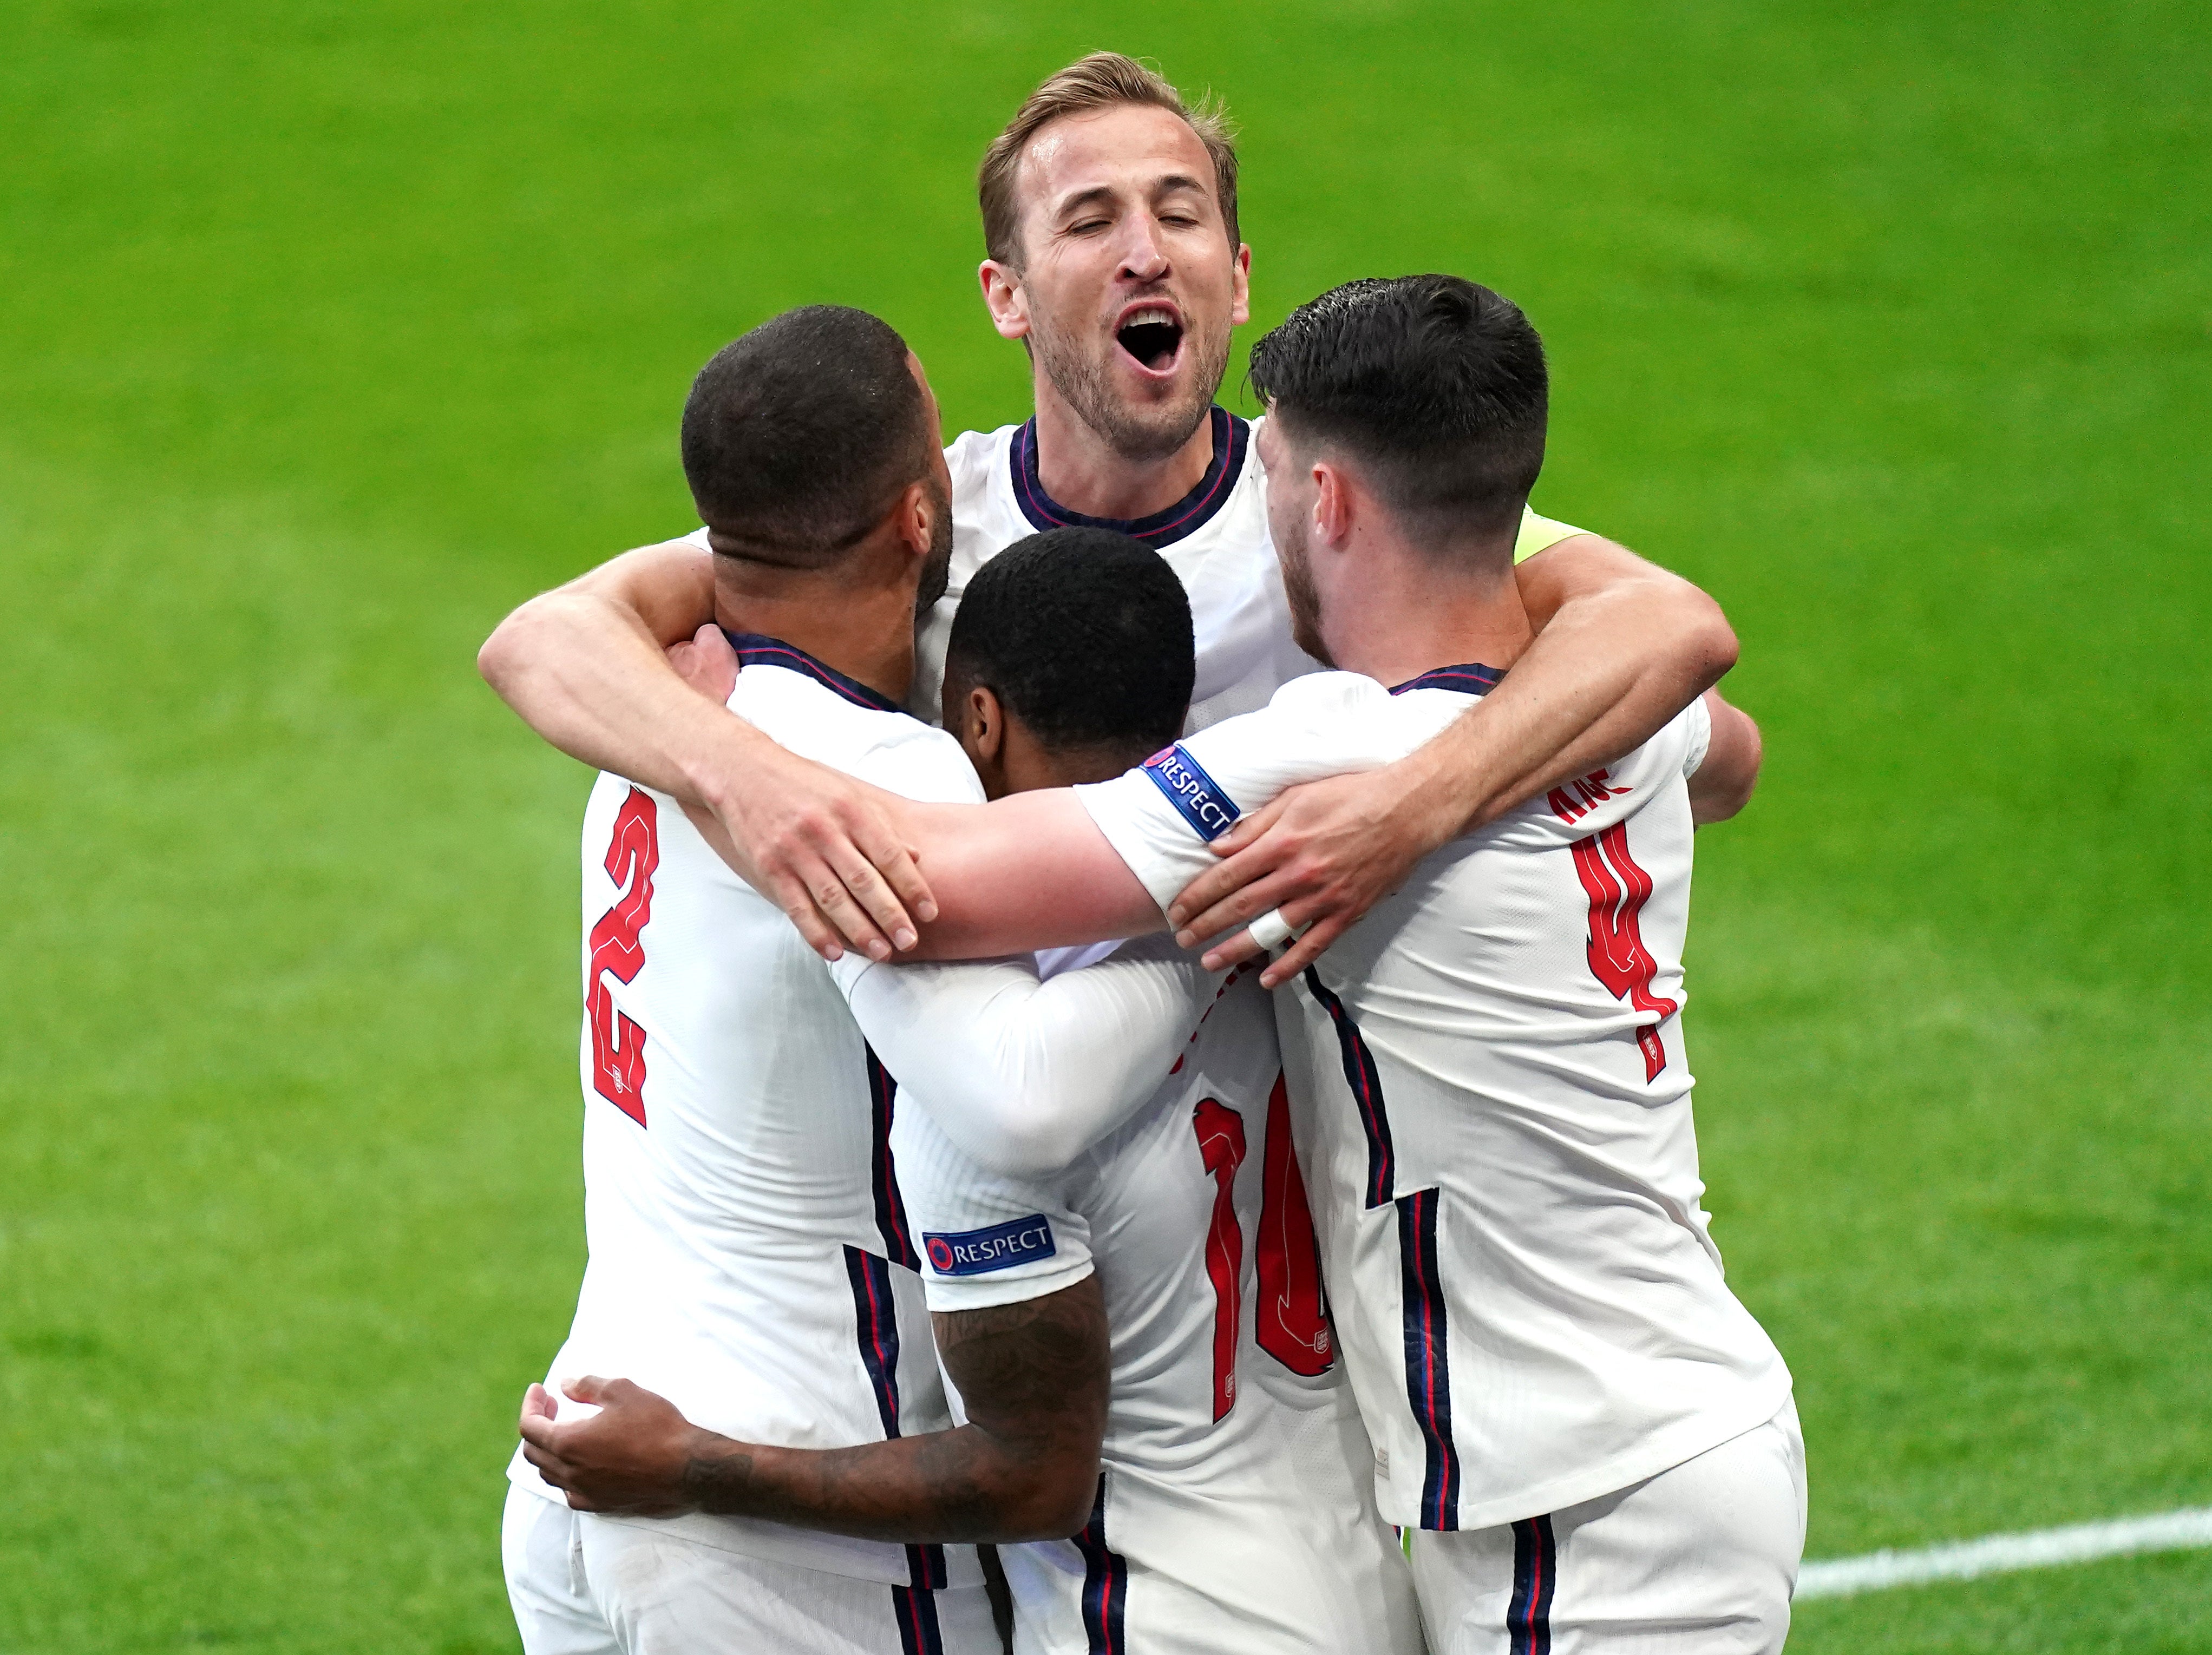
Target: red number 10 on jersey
[(1291, 1324)]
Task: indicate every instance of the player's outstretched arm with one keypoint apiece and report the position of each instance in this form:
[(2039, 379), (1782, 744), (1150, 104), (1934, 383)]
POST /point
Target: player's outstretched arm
[(1023, 1075), (1024, 1467), (583, 666), (1623, 646)]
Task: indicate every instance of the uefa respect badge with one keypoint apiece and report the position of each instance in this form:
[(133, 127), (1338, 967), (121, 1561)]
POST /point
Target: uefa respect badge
[(978, 1253), (1197, 798)]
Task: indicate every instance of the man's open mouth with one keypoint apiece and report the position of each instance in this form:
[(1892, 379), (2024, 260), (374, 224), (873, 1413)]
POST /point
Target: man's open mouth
[(1151, 334)]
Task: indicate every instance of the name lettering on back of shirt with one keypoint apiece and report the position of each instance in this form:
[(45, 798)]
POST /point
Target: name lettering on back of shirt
[(1579, 798), (1197, 798), (1000, 1246)]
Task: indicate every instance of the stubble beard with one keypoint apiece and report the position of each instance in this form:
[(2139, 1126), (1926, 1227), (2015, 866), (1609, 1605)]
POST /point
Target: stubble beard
[(936, 569), (1304, 600), (1142, 434)]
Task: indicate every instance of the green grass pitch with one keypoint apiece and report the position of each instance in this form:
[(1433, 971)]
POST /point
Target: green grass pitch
[(328, 332)]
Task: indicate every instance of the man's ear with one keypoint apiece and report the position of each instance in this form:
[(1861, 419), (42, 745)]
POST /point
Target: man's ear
[(1005, 298), (1334, 506), (917, 518), (985, 722)]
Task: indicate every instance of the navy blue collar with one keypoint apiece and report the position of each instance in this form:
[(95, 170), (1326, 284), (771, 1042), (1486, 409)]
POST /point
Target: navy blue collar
[(1467, 680), (1186, 517), (755, 651)]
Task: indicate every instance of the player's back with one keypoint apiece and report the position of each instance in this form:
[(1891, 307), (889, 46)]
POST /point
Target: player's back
[(1489, 1089), (1492, 1063), (1235, 1510), (749, 1254)]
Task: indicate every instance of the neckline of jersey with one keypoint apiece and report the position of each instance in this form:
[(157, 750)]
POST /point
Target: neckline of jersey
[(759, 650), (1231, 438), (1468, 678)]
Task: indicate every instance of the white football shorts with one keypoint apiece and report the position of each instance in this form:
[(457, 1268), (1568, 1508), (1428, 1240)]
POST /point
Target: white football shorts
[(1700, 1560), (585, 1585)]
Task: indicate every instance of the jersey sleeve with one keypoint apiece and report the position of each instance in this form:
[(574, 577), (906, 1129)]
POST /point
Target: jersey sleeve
[(1161, 816), (1697, 732), (1540, 533), (922, 764), (1023, 1075), (987, 1238)]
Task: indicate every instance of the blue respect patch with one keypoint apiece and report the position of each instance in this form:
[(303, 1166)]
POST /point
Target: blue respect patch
[(1196, 796), (978, 1253)]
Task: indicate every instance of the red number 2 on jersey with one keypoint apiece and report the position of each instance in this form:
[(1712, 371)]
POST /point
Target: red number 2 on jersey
[(1618, 889), (617, 1043)]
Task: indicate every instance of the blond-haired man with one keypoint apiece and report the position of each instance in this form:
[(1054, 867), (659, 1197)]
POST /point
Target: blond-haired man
[(1115, 257)]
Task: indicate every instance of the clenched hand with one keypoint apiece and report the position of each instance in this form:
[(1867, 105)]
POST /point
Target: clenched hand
[(630, 1456), (811, 841)]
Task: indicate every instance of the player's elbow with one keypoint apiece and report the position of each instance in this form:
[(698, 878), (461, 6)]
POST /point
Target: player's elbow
[(1053, 1503), (1026, 1140), (505, 656), (1710, 649), (1725, 793)]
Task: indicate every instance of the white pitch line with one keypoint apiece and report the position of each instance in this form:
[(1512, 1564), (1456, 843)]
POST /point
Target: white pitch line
[(1999, 1553)]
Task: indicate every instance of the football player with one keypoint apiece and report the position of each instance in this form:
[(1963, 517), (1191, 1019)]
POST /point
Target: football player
[(1115, 257), (1078, 1183)]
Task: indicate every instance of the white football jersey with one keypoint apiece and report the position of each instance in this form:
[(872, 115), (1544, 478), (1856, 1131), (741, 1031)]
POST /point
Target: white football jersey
[(749, 1255), (1234, 1510), (1490, 1088), (1215, 538)]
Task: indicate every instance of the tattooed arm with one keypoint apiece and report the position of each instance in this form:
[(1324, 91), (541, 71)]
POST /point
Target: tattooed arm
[(1024, 1467)]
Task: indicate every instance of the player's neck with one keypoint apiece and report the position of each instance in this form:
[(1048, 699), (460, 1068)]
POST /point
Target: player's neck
[(1402, 617), (862, 629), (1082, 471)]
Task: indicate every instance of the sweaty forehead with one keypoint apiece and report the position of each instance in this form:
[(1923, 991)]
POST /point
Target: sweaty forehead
[(1124, 147)]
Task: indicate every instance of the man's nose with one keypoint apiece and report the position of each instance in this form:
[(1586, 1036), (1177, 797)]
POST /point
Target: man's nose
[(1142, 258)]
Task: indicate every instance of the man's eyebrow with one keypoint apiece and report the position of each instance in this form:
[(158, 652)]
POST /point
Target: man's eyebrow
[(1097, 195), (1169, 183)]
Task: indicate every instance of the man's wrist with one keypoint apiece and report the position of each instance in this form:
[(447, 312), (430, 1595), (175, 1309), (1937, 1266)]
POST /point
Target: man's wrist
[(717, 1474), (1442, 800), (727, 748)]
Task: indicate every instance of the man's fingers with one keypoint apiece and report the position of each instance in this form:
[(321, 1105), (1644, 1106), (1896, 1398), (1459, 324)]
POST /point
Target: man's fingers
[(836, 903), (894, 861), (790, 894), (537, 1431), (1231, 950), (537, 1403), (590, 1388), (714, 661), (878, 901), (1270, 888), (1219, 881), (1306, 949), (1239, 944)]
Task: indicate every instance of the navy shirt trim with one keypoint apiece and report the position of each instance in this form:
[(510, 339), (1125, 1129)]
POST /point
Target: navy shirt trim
[(755, 650), (1231, 438), (1469, 680)]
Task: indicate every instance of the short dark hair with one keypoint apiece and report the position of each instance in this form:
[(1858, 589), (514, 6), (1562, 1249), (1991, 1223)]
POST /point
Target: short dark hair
[(1434, 386), (799, 436), (1103, 80), (1084, 634)]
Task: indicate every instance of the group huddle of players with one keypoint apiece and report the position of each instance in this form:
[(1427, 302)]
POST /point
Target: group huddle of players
[(977, 1263)]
